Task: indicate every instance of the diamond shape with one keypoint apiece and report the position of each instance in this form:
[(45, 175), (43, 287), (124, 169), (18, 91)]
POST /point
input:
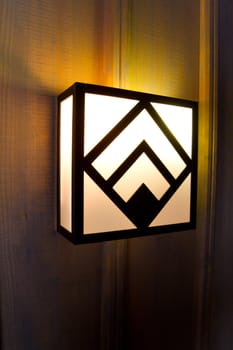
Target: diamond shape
[(142, 207)]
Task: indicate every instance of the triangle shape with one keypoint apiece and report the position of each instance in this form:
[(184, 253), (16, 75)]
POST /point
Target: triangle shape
[(177, 210), (179, 120), (100, 213), (102, 113)]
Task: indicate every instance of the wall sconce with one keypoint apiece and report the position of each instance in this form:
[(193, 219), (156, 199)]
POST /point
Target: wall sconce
[(127, 163)]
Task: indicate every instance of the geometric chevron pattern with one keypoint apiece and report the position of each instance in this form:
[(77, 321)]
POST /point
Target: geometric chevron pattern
[(143, 206), (135, 183)]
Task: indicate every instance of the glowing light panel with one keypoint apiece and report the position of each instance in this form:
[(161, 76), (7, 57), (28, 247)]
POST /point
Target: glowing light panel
[(66, 115), (127, 163)]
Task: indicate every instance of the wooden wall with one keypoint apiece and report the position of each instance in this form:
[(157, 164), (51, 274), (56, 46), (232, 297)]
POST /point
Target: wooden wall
[(142, 293), (221, 291)]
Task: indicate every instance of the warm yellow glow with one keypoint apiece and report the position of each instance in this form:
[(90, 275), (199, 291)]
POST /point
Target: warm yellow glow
[(66, 115), (179, 121), (142, 128)]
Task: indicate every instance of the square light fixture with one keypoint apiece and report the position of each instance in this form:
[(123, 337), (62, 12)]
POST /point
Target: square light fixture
[(127, 163)]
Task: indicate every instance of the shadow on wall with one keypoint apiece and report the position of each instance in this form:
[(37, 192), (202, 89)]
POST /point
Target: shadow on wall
[(50, 289)]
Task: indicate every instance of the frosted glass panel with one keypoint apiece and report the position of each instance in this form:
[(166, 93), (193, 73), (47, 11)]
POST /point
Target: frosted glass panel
[(179, 121), (132, 175), (100, 213), (102, 113), (66, 114), (177, 210), (142, 128)]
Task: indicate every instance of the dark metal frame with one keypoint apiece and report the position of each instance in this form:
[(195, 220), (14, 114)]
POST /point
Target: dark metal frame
[(81, 164)]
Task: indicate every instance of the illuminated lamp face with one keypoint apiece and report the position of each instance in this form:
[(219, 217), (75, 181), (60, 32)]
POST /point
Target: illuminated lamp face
[(127, 163)]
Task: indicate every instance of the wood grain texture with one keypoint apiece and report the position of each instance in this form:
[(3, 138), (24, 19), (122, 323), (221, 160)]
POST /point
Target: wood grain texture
[(161, 47), (50, 293), (222, 283), (160, 297), (106, 295), (46, 282), (208, 135)]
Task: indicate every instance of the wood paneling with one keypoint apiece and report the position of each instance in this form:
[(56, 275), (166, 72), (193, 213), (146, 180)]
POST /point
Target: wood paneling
[(49, 289), (222, 282), (55, 295), (161, 286)]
